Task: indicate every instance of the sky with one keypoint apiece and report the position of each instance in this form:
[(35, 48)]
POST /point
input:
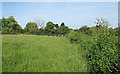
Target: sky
[(73, 14), (60, 0), (119, 13)]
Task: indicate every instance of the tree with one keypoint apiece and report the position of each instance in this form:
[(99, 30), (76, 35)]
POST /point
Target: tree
[(63, 30), (85, 30), (10, 25), (49, 29), (49, 25), (31, 28), (56, 26), (40, 23), (41, 31), (62, 24)]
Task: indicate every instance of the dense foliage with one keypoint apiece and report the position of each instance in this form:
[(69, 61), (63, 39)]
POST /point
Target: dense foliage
[(103, 53), (102, 46), (85, 29), (31, 28), (10, 26), (50, 29)]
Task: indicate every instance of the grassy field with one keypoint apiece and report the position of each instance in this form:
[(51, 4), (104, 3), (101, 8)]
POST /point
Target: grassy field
[(34, 53)]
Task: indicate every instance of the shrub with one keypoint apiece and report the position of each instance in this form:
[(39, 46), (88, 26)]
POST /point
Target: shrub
[(103, 53), (74, 37), (85, 30), (79, 38)]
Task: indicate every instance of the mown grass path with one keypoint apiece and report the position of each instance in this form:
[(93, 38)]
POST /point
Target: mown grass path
[(34, 53)]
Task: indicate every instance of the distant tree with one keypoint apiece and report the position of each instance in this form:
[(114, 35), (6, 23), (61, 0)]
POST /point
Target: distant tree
[(86, 30), (76, 30), (101, 23), (31, 28), (56, 26), (49, 25), (62, 24), (63, 30), (40, 23), (49, 29), (41, 31), (10, 26)]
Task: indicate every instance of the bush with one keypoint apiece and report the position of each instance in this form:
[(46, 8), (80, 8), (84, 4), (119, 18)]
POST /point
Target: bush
[(74, 37), (103, 53), (79, 38), (85, 30)]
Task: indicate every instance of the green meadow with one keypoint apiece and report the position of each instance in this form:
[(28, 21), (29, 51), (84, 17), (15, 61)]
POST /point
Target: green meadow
[(35, 53), (60, 37)]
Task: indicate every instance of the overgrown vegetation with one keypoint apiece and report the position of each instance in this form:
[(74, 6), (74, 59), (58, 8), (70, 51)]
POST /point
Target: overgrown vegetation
[(102, 46), (97, 46), (103, 54)]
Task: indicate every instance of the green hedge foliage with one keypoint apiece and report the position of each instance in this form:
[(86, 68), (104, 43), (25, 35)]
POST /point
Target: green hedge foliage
[(103, 54)]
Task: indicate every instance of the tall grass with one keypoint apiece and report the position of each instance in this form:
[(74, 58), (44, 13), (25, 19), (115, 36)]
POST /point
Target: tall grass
[(32, 53)]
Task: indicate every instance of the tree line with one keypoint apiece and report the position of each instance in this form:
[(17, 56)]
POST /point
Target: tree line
[(10, 26)]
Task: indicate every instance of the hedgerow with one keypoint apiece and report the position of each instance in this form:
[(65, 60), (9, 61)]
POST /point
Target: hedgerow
[(103, 54)]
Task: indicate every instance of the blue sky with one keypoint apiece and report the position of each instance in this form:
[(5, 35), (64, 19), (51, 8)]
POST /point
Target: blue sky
[(73, 14)]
